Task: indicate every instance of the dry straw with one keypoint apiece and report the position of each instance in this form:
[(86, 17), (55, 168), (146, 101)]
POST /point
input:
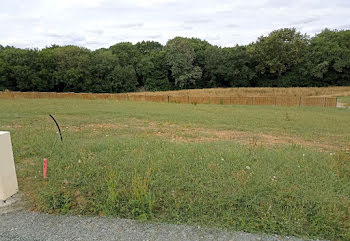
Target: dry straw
[(231, 96)]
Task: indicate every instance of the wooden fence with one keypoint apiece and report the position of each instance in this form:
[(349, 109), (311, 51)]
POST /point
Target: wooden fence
[(227, 100)]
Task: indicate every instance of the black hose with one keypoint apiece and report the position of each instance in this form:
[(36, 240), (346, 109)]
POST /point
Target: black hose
[(59, 129)]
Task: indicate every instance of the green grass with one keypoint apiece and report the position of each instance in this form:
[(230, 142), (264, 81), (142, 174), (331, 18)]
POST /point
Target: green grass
[(345, 100), (121, 159)]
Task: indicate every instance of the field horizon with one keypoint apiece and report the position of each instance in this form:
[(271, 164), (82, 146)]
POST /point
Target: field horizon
[(258, 91), (335, 91), (293, 96)]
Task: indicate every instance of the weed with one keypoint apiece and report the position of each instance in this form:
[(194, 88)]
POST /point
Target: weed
[(142, 200), (52, 200), (254, 141), (135, 198), (113, 203), (287, 118)]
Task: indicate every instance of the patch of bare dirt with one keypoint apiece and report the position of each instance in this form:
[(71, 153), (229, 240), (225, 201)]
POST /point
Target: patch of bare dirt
[(180, 133), (95, 127), (16, 126), (106, 125), (247, 138), (29, 162)]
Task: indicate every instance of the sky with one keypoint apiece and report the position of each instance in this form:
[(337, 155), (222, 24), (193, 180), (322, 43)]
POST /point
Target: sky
[(101, 23)]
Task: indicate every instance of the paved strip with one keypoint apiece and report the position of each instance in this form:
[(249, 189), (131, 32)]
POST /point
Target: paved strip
[(25, 226), (17, 224)]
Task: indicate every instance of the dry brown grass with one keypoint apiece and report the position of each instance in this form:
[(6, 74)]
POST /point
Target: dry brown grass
[(242, 96), (266, 91), (178, 133)]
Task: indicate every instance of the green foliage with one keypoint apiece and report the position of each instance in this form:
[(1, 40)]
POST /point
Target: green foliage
[(283, 58), (122, 79), (180, 57), (18, 69), (228, 67), (278, 53), (54, 199), (72, 68), (3, 78), (47, 63), (328, 60), (146, 47), (125, 54), (153, 71), (102, 64)]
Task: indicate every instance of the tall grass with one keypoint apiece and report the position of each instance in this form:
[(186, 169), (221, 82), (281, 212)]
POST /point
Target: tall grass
[(266, 91)]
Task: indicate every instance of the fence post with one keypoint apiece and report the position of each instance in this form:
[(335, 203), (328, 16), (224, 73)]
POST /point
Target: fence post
[(127, 96), (325, 100), (230, 100), (188, 99), (299, 100), (252, 101), (168, 99), (275, 100)]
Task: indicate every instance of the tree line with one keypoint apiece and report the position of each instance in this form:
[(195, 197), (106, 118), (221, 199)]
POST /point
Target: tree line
[(283, 58)]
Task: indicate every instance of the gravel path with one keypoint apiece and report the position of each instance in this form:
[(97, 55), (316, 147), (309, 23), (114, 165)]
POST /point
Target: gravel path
[(17, 224)]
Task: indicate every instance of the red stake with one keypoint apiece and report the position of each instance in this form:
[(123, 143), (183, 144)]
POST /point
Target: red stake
[(45, 168)]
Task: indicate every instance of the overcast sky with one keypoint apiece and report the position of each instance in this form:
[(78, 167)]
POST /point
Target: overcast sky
[(101, 23)]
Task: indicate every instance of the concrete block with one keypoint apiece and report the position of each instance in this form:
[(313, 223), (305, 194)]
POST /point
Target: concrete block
[(8, 178)]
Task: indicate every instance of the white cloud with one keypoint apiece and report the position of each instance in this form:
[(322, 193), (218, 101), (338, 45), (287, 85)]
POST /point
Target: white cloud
[(66, 4), (101, 23)]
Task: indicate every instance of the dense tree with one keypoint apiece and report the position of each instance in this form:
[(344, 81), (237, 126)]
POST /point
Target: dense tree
[(19, 68), (240, 69), (47, 65), (125, 53), (328, 58), (4, 78), (153, 69), (145, 47), (122, 79), (278, 53), (284, 57), (72, 69), (180, 56), (102, 63), (213, 72), (228, 67)]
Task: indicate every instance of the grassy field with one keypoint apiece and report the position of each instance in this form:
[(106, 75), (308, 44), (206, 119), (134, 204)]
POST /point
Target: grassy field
[(345, 100), (283, 170)]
